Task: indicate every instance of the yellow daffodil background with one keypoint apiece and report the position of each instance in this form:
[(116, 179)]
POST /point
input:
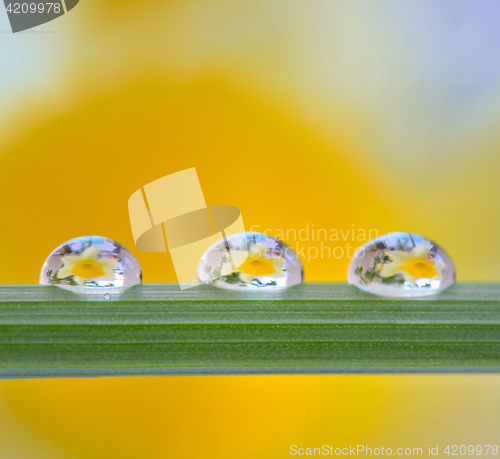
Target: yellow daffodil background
[(348, 116)]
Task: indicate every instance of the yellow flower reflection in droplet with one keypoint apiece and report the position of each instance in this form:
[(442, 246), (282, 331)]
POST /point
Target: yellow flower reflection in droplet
[(87, 266), (259, 267), (413, 265), (254, 264)]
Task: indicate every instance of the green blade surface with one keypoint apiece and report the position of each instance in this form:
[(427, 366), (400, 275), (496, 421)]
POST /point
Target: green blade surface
[(313, 328)]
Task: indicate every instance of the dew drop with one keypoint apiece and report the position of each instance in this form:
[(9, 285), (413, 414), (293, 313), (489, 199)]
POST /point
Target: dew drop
[(250, 261), (401, 265), (91, 264)]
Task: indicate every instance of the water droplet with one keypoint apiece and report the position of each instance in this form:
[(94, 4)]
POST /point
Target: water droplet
[(91, 264), (250, 260), (401, 265), (107, 296)]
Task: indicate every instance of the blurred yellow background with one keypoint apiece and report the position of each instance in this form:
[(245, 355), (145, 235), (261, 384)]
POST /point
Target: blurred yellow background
[(374, 115)]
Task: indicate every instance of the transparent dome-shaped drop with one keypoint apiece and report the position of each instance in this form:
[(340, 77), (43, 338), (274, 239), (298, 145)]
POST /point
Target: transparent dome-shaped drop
[(250, 260), (91, 264), (401, 265)]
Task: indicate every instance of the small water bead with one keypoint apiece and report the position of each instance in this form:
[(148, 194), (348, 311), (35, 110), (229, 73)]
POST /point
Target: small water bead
[(250, 260), (401, 265), (91, 264)]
